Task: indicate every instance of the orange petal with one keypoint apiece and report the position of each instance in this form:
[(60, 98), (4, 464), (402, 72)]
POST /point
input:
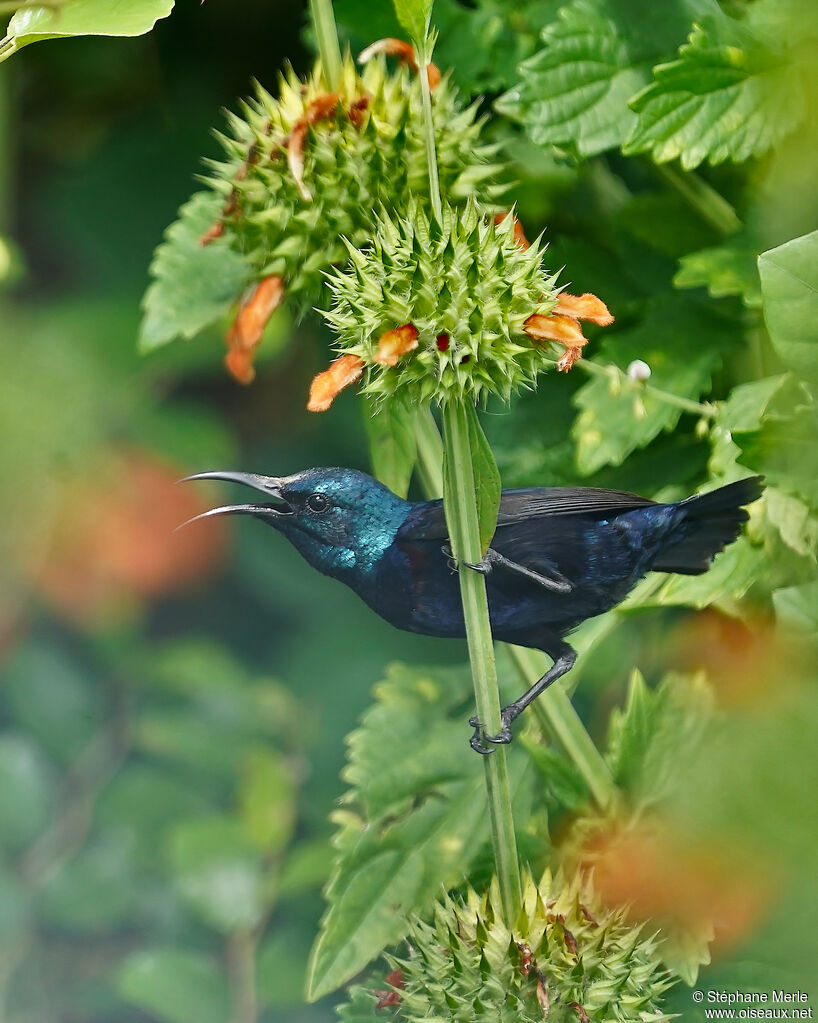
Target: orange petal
[(564, 329), (295, 158), (239, 363), (248, 327), (214, 231), (322, 107), (584, 307), (519, 233), (403, 51), (395, 343), (356, 111), (327, 385)]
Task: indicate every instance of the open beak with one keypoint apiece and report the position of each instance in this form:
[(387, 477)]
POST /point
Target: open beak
[(276, 507)]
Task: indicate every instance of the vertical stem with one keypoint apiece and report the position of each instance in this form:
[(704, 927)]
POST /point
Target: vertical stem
[(429, 134), (465, 538), (554, 709), (241, 963), (326, 34)]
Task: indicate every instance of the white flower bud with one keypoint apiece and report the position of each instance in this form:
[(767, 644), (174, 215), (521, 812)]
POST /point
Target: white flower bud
[(638, 370)]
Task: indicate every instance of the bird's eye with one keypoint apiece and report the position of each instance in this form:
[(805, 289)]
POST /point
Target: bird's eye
[(317, 502)]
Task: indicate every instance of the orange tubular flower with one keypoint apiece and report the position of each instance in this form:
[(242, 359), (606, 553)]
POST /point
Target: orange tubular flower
[(395, 343), (248, 328), (562, 325), (320, 109), (403, 51), (584, 307), (326, 386)]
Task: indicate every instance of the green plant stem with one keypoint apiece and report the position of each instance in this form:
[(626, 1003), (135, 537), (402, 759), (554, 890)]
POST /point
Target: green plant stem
[(326, 34), (554, 710), (705, 200), (697, 408), (429, 133), (464, 534)]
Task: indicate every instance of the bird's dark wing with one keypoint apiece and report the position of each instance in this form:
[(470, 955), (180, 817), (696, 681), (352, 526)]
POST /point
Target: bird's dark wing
[(427, 522)]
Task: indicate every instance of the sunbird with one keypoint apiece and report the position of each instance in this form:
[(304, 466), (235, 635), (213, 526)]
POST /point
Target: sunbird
[(559, 555)]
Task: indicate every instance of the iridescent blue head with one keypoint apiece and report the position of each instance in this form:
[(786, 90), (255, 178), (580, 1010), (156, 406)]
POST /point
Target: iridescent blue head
[(339, 519)]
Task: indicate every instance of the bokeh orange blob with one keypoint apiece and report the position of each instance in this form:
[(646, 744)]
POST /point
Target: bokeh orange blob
[(114, 543)]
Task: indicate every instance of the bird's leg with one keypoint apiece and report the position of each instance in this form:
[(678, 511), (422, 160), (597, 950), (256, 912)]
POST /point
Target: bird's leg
[(564, 658), (555, 581)]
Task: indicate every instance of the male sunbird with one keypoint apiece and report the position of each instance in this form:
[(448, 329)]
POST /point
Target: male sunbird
[(559, 555)]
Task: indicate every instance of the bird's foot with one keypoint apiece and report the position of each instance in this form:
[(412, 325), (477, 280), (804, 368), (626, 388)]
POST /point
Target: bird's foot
[(504, 736), (450, 558)]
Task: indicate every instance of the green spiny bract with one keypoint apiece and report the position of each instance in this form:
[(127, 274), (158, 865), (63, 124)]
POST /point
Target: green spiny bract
[(368, 150), (467, 288), (567, 959)]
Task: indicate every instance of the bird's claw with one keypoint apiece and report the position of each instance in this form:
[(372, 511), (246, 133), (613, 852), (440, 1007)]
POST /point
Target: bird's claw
[(479, 738), (450, 558)]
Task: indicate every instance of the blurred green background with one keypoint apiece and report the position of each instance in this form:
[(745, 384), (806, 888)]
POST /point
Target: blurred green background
[(173, 706)]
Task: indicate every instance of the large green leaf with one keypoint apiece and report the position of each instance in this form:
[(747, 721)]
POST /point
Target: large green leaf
[(487, 485), (574, 93), (175, 985), (652, 730), (728, 269), (414, 16), (414, 819), (784, 450), (34, 23), (682, 345), (194, 285), (789, 284), (728, 96), (392, 445)]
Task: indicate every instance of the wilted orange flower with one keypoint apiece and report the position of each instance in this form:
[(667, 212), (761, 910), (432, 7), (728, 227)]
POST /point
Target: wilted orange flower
[(519, 233), (584, 307), (343, 372), (322, 107), (403, 51), (395, 343), (248, 327), (562, 325), (389, 998), (214, 231), (356, 111)]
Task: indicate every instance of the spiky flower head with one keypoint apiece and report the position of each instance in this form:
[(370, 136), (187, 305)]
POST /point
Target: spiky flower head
[(307, 167), (437, 309), (567, 959)]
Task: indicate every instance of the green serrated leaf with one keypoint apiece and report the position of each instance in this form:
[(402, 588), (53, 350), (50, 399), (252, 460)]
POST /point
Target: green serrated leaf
[(728, 269), (487, 485), (414, 819), (414, 16), (194, 285), (783, 450), (82, 17), (646, 737), (175, 985), (789, 284), (560, 779), (392, 445), (574, 93), (729, 96), (683, 345)]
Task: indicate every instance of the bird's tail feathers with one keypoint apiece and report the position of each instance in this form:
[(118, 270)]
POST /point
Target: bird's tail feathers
[(711, 522)]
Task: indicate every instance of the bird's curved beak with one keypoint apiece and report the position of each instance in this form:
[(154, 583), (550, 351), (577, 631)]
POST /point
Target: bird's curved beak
[(275, 508)]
